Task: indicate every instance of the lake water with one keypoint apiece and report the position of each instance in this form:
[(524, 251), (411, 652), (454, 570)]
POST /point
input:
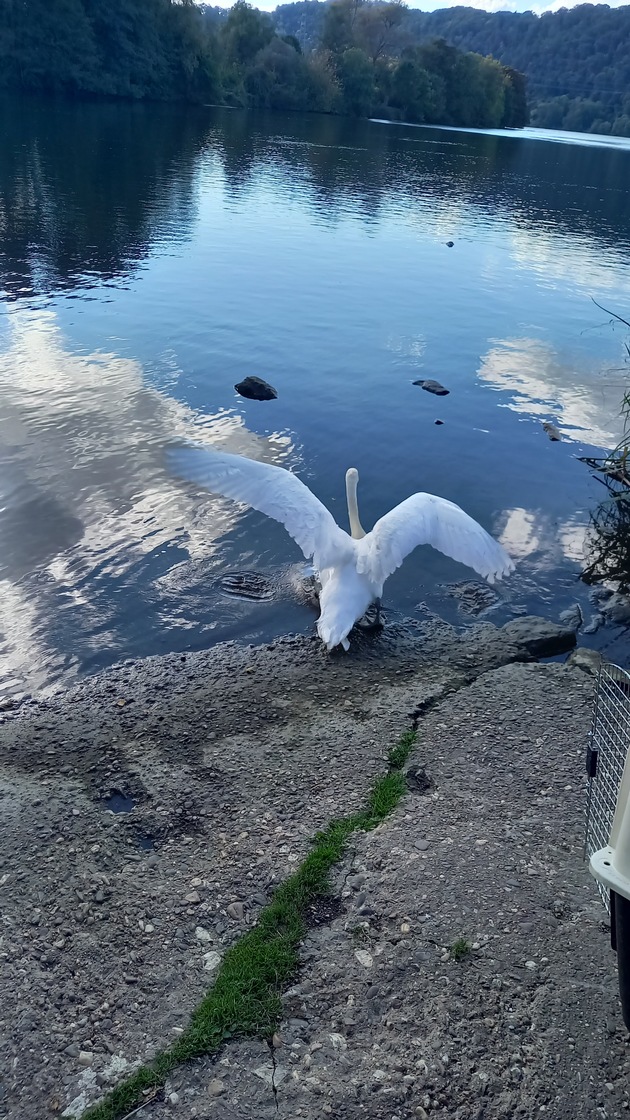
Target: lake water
[(152, 257)]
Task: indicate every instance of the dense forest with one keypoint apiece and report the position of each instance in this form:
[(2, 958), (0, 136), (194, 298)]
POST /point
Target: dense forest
[(576, 61), (362, 63)]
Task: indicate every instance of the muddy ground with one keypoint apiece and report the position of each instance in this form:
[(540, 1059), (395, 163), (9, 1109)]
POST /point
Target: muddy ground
[(221, 766)]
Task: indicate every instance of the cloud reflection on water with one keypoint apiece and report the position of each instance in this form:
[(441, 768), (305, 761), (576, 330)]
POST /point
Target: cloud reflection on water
[(85, 499), (583, 403), (530, 533)]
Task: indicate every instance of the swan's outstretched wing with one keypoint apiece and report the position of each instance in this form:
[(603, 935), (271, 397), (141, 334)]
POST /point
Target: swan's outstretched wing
[(271, 490), (425, 519)]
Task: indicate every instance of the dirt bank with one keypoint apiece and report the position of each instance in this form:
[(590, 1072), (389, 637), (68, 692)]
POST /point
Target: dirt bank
[(229, 762)]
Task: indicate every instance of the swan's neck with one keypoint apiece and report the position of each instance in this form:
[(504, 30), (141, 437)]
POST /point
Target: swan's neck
[(356, 529)]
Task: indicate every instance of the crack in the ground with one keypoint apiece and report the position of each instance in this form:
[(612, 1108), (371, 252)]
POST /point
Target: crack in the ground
[(415, 718), (274, 1087), (425, 706)]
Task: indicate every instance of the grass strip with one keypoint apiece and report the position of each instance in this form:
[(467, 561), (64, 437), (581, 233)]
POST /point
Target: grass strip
[(245, 998)]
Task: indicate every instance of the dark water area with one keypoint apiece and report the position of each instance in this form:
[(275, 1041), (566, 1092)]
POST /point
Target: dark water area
[(151, 257)]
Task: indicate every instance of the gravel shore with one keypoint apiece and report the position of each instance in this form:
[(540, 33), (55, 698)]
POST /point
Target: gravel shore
[(221, 766)]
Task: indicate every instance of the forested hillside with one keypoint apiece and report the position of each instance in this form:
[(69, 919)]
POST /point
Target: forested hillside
[(128, 48), (576, 61), (362, 64)]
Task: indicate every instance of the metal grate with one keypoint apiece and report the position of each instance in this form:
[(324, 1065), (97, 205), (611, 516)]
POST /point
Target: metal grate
[(609, 741)]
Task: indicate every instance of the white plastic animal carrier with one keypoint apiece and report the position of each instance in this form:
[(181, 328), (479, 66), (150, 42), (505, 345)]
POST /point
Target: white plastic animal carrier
[(608, 812)]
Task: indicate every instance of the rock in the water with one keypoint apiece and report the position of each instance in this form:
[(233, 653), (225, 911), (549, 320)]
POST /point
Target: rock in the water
[(256, 389), (432, 386), (539, 636), (450, 244), (554, 434), (595, 623), (590, 660), (247, 585), (616, 609), (572, 617), (599, 595), (439, 422), (472, 597)]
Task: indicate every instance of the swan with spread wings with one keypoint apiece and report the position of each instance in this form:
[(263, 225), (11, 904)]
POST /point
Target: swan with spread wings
[(351, 568)]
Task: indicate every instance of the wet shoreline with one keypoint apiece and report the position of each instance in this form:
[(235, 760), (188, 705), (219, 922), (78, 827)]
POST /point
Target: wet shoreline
[(230, 761)]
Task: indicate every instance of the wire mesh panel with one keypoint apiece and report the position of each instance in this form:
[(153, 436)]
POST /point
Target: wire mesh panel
[(609, 741)]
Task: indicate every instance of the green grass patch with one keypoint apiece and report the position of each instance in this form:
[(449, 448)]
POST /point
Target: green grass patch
[(399, 754), (460, 949), (245, 997)]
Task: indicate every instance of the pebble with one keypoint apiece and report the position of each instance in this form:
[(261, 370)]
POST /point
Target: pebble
[(421, 845), (86, 1057), (211, 961), (266, 1074), (531, 965), (356, 881), (216, 1087), (364, 957), (173, 1098), (276, 1041), (236, 911), (203, 934), (193, 896)]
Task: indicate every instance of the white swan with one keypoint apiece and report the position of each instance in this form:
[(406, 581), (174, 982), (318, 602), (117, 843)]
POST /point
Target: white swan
[(351, 568)]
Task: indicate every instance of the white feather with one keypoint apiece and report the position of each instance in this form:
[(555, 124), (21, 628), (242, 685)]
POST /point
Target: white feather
[(352, 572), (426, 519), (271, 490)]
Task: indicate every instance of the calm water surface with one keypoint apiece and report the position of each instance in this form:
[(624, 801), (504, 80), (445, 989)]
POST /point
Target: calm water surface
[(151, 257)]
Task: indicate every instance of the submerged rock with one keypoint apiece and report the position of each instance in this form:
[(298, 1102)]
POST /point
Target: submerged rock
[(554, 433), (572, 617), (472, 596), (539, 636), (616, 609), (431, 386), (247, 585), (599, 595), (255, 389), (594, 624)]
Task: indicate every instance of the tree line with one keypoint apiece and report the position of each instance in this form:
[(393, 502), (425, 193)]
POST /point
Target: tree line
[(362, 64), (576, 61)]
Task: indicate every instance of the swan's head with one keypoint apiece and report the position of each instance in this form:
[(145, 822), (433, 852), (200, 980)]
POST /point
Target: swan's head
[(352, 479)]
